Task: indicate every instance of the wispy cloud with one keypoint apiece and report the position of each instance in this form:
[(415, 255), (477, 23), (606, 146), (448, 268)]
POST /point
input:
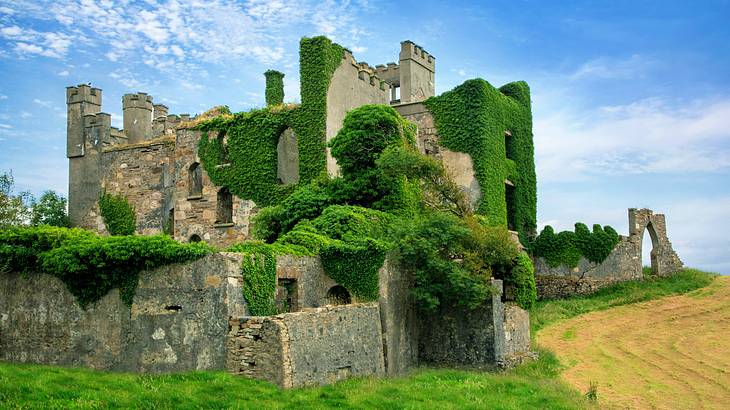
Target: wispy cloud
[(646, 136), (634, 66)]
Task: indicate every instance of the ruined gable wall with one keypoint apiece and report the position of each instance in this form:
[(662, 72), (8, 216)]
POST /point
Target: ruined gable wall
[(196, 215), (352, 85)]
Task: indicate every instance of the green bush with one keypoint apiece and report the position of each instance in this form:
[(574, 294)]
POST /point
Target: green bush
[(50, 209), (90, 265), (355, 265), (566, 248), (118, 214), (274, 87)]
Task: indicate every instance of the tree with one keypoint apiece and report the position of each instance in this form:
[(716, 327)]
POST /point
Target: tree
[(13, 208), (49, 210)]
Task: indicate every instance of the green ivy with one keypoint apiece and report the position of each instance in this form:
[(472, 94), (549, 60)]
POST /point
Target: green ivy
[(118, 214), (566, 248), (522, 277), (259, 273), (473, 118), (355, 265), (90, 265), (248, 164), (274, 87)]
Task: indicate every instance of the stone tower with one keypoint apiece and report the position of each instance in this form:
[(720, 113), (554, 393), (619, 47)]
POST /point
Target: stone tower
[(417, 73), (137, 110)]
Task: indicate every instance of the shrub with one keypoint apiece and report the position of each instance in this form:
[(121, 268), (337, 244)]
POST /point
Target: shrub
[(118, 214), (355, 265), (50, 209), (90, 265), (566, 248), (522, 277)]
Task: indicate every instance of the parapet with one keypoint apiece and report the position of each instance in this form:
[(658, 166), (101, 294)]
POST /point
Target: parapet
[(365, 71), (139, 100), (390, 73), (412, 51), (83, 93), (159, 110)]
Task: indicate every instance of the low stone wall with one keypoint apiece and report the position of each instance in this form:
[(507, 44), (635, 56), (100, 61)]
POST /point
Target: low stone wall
[(492, 335), (312, 347), (178, 321)]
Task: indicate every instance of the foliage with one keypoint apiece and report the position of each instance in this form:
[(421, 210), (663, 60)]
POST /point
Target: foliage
[(533, 385), (274, 87), (13, 208), (523, 279), (566, 248), (90, 265), (438, 190), (118, 214), (451, 259), (550, 311), (366, 132), (473, 118), (355, 265), (352, 223), (259, 273), (50, 209)]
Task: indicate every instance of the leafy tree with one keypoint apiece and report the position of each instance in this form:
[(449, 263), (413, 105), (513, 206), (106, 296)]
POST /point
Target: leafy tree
[(50, 209), (13, 208)]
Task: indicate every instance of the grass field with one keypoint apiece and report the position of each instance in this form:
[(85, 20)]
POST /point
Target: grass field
[(668, 353), (535, 385)]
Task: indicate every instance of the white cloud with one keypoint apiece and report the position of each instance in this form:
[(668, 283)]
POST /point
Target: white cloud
[(359, 49), (3, 97), (63, 73), (25, 114), (647, 136), (612, 68)]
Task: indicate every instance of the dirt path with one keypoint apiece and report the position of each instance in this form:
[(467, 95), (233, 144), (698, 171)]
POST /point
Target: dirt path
[(671, 353)]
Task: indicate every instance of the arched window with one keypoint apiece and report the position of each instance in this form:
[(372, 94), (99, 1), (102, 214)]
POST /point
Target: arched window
[(224, 213), (195, 180), (223, 142), (195, 238), (338, 295), (287, 158)]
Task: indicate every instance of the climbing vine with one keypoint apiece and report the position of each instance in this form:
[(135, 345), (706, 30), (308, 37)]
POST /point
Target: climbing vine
[(240, 151), (566, 248), (118, 214), (91, 265), (473, 118)]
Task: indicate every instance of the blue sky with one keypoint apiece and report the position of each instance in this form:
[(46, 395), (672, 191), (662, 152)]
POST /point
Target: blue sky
[(631, 99)]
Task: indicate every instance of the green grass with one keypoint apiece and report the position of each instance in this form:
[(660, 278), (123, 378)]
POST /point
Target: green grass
[(551, 311), (533, 385)]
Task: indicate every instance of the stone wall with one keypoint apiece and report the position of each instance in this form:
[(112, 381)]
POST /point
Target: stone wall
[(312, 347), (458, 164), (352, 85), (622, 264), (492, 335), (307, 276), (178, 321), (196, 214), (142, 173), (399, 319)]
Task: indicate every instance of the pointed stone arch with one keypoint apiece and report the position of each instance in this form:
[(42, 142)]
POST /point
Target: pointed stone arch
[(664, 260)]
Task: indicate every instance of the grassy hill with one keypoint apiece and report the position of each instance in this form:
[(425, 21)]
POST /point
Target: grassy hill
[(534, 385)]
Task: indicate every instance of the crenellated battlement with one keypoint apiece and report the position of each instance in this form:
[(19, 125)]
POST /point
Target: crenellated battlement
[(83, 93), (138, 100), (411, 50), (390, 73)]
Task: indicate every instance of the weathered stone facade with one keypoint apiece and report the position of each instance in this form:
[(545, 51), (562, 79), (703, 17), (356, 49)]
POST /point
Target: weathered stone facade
[(311, 347), (495, 334), (622, 264), (178, 321)]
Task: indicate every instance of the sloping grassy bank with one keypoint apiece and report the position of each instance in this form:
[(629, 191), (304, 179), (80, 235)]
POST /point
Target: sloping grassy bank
[(551, 311), (535, 385)]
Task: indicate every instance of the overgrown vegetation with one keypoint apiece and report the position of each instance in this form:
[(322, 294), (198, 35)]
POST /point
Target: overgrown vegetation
[(473, 118), (90, 265), (19, 209), (534, 385), (551, 311), (119, 216), (566, 248), (274, 87)]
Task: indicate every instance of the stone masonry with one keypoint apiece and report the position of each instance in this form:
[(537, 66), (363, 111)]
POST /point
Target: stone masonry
[(622, 264)]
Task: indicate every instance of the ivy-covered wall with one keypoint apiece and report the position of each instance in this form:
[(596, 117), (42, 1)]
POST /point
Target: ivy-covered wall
[(247, 141), (473, 118)]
